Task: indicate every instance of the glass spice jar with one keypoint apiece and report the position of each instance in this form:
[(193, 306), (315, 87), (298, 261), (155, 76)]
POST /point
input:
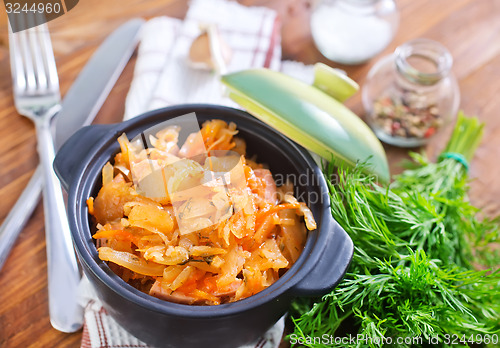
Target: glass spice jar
[(410, 95), (353, 31)]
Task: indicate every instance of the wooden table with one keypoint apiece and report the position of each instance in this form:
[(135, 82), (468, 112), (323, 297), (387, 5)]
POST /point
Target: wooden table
[(469, 28)]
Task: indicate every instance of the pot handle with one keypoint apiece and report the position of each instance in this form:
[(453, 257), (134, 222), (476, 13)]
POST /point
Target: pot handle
[(71, 154), (337, 250)]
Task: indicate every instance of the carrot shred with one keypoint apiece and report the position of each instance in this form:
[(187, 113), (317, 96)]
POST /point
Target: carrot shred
[(90, 205), (264, 229), (118, 234), (273, 209), (200, 294)]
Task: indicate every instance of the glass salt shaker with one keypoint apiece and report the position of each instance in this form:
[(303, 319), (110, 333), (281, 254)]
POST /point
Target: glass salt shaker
[(353, 31), (410, 95)]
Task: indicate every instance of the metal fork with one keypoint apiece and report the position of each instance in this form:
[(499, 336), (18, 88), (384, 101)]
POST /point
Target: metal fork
[(36, 94)]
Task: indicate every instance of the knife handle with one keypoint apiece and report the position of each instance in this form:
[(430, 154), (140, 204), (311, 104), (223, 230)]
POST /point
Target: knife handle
[(63, 275), (19, 214)]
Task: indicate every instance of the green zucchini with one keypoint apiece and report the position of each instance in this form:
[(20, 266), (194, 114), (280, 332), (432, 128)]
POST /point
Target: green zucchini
[(311, 116)]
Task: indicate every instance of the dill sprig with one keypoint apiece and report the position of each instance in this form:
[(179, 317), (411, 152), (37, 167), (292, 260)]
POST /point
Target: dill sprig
[(416, 242)]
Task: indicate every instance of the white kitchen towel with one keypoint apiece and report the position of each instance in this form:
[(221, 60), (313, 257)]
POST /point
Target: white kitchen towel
[(163, 76)]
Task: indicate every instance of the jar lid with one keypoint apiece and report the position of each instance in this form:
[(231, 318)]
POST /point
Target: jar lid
[(312, 116)]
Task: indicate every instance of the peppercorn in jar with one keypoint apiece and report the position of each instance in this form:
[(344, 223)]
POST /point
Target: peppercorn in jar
[(411, 95)]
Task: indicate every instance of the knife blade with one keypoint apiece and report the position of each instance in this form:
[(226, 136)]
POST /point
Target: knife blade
[(79, 107), (103, 69)]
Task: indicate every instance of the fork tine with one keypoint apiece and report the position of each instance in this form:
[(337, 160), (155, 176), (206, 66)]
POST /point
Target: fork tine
[(32, 59), (36, 86), (39, 67), (16, 63), (50, 63), (27, 60)]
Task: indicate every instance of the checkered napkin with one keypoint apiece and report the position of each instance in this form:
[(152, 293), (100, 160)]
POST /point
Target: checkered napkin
[(163, 77), (102, 331)]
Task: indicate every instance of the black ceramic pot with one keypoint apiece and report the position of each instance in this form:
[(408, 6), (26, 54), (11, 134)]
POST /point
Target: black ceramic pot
[(322, 264)]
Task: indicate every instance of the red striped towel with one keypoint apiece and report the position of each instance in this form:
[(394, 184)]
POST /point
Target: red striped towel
[(163, 75), (102, 331)]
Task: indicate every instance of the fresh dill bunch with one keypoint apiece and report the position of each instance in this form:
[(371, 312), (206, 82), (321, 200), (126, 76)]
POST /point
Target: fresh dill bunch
[(412, 273), (455, 233), (415, 297)]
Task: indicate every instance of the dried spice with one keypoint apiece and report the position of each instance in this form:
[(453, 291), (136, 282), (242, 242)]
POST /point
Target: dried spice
[(410, 116)]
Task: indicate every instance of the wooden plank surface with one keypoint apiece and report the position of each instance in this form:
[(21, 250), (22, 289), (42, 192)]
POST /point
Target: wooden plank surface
[(469, 28)]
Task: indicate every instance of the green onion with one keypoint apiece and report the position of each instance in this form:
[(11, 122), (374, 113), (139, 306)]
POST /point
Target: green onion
[(466, 136)]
